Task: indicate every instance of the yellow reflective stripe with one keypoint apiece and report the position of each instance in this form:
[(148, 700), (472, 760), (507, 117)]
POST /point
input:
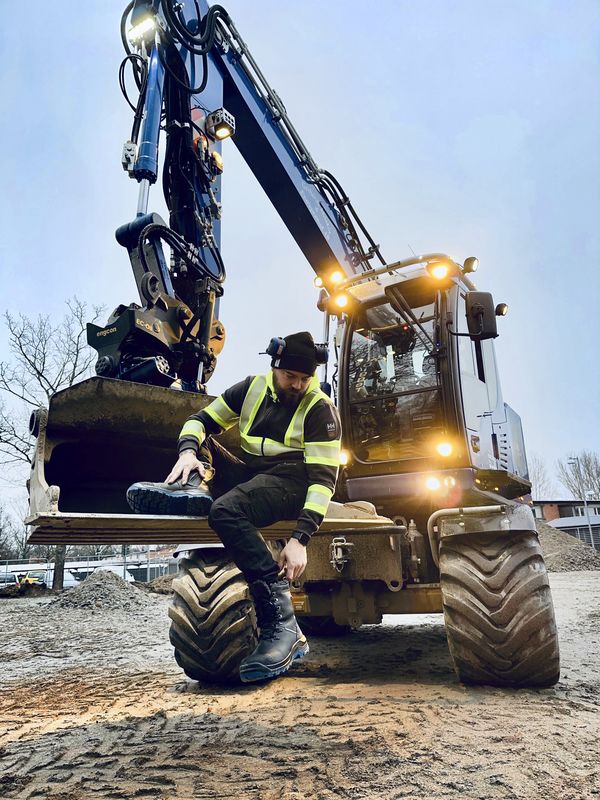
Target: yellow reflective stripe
[(259, 445), (251, 444), (317, 498), (320, 489), (294, 436), (320, 509), (195, 428), (221, 413), (274, 448), (326, 462), (325, 452), (252, 401)]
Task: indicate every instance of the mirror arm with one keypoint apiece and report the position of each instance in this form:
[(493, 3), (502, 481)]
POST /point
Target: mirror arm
[(473, 336)]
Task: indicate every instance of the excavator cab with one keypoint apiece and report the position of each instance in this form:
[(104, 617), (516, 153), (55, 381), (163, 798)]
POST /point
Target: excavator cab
[(425, 424)]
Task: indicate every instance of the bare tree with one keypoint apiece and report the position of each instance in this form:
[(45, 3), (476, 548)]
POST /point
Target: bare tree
[(93, 551), (45, 358), (20, 546), (542, 487), (6, 535), (580, 474)]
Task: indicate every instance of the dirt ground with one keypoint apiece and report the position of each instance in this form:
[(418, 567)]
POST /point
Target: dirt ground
[(93, 706)]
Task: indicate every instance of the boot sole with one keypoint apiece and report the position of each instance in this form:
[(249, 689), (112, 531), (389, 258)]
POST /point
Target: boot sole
[(251, 673), (177, 504)]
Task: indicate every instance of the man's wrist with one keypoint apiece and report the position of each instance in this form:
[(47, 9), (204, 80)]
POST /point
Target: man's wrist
[(301, 536), (188, 448)]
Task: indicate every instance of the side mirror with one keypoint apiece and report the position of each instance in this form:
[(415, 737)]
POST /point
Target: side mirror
[(481, 316)]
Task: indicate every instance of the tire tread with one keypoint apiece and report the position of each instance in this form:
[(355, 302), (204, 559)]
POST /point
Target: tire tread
[(498, 610)]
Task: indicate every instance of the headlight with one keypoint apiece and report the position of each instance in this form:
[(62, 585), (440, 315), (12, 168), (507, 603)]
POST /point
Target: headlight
[(137, 32), (439, 271), (341, 300), (433, 483), (220, 124), (344, 458)]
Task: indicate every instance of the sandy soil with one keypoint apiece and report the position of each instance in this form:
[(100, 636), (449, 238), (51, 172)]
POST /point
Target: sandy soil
[(93, 706)]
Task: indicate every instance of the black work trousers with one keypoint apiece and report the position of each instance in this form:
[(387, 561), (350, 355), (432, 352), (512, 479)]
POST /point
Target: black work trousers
[(246, 500)]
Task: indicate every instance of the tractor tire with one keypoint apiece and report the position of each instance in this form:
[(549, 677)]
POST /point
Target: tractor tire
[(213, 624), (322, 626), (498, 610)]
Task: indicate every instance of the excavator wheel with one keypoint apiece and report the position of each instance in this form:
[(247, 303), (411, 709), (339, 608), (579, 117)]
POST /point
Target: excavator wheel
[(213, 624), (322, 626), (498, 610)]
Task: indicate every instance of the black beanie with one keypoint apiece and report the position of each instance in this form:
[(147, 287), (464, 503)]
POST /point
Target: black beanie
[(299, 354)]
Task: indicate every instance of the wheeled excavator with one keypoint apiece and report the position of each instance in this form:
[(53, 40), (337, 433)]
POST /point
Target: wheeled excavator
[(431, 510)]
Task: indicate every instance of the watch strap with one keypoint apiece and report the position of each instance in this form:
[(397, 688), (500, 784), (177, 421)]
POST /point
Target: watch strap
[(300, 536)]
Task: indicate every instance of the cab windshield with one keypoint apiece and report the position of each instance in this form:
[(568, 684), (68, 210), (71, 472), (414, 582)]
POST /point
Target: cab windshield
[(394, 395)]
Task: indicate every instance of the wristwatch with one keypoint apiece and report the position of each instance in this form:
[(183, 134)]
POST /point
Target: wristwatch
[(303, 538)]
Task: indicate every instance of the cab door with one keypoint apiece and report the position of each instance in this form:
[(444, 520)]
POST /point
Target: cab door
[(480, 392)]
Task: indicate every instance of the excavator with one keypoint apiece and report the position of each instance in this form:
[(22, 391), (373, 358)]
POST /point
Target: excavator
[(431, 510)]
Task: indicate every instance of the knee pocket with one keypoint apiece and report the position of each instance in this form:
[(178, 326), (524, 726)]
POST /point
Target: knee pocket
[(221, 511)]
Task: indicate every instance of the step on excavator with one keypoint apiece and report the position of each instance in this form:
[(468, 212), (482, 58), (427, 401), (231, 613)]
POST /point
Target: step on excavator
[(431, 511)]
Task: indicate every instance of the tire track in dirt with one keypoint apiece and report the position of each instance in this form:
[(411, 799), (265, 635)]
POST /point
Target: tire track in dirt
[(378, 714)]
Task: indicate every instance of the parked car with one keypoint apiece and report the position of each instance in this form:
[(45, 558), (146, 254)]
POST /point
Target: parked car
[(46, 576), (8, 579)]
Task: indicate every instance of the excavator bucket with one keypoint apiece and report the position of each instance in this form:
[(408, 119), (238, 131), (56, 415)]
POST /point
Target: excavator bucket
[(100, 436), (96, 439)]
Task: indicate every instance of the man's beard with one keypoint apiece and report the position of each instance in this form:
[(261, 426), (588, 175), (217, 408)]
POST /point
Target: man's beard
[(287, 397)]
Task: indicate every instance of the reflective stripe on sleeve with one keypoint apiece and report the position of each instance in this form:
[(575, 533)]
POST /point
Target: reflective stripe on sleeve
[(195, 428), (221, 413), (317, 498), (323, 453)]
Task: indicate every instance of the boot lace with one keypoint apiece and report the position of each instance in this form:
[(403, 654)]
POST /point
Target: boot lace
[(270, 619)]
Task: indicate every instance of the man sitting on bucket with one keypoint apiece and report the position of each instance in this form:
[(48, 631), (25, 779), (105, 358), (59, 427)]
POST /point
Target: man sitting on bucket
[(290, 436)]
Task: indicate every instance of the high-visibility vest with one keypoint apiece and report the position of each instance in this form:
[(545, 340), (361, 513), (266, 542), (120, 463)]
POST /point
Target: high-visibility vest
[(293, 440), (324, 453)]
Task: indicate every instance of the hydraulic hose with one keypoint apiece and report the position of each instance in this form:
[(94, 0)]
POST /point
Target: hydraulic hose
[(188, 252), (194, 43)]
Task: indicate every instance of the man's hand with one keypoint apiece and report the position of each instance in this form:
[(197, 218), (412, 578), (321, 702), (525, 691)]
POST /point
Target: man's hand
[(293, 559), (186, 462)]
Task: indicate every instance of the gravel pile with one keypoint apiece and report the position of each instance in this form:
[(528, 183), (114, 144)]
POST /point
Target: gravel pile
[(563, 552), (104, 590)]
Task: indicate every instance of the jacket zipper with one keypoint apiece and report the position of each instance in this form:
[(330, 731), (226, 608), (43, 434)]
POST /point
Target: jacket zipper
[(268, 411)]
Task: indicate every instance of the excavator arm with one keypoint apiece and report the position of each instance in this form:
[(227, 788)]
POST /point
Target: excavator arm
[(198, 83)]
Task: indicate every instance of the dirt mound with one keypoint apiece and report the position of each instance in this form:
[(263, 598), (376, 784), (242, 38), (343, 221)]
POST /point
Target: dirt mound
[(24, 590), (563, 552), (160, 585), (163, 584), (104, 590)]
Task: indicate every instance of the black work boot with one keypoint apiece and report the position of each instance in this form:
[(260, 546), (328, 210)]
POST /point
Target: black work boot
[(192, 499), (280, 640)]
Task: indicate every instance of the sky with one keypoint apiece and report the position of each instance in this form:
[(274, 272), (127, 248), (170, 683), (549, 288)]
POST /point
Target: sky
[(465, 127)]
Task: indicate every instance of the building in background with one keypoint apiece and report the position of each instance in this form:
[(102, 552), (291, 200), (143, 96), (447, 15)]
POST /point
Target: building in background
[(572, 517)]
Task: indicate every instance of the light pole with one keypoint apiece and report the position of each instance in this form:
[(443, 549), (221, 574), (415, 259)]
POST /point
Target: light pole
[(574, 462), (590, 496)]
